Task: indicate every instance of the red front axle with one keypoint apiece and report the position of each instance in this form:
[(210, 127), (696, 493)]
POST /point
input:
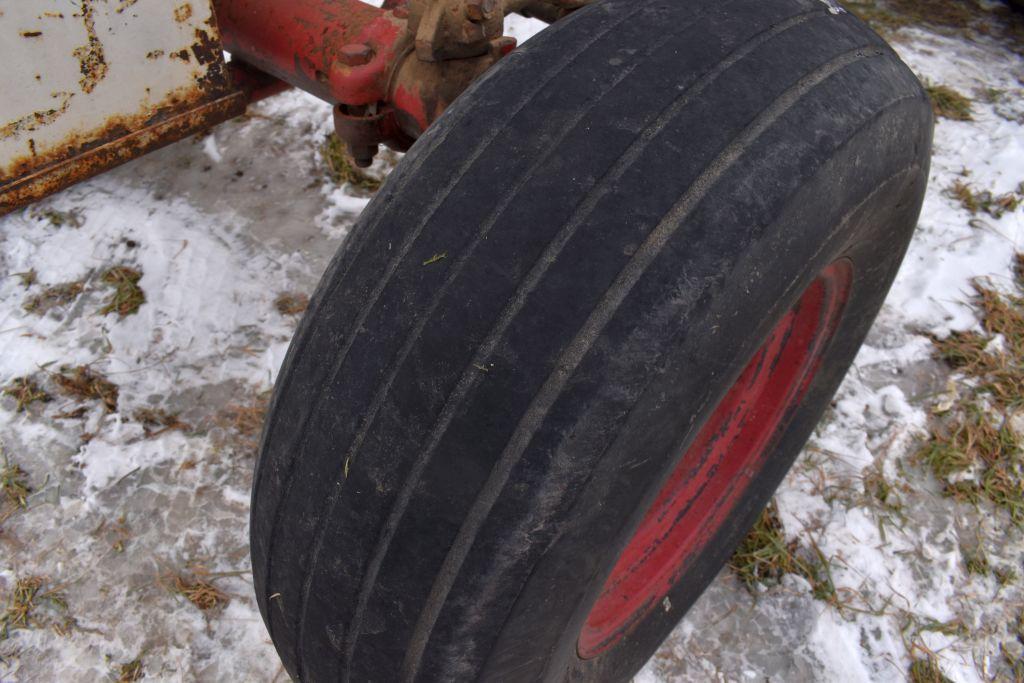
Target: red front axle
[(390, 71)]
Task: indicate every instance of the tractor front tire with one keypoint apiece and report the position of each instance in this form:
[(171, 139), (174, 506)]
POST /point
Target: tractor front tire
[(577, 340)]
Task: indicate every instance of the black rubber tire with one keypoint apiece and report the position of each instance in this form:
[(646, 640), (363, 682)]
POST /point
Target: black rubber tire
[(563, 275)]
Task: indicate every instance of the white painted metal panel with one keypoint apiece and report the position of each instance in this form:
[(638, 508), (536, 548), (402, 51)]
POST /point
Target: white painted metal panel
[(79, 73)]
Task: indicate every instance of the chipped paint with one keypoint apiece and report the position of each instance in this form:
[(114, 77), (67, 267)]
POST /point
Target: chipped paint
[(37, 119), (90, 56), (101, 83)]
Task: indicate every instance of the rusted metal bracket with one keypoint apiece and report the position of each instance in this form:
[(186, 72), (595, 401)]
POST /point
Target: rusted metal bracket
[(389, 71)]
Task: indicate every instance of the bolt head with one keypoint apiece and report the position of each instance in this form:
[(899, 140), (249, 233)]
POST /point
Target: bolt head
[(355, 54)]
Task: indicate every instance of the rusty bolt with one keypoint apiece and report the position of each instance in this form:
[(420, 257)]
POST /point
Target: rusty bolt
[(355, 54), (479, 11), (401, 11)]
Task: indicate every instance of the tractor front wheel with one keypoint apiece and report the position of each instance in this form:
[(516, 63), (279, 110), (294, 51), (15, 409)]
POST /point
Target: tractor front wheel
[(578, 338)]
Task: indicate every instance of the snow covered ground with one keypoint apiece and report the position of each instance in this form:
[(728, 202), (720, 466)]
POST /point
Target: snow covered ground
[(126, 511)]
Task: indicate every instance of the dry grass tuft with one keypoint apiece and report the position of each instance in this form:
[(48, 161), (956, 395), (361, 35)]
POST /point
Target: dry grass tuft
[(973, 449), (196, 586), (14, 489), (83, 383), (156, 421), (58, 219), (130, 672), (244, 421), (291, 303), (983, 200), (926, 671), (127, 296), (28, 277), (27, 605), (25, 392), (966, 18), (14, 484), (764, 557), (976, 561), (53, 297), (948, 103), (341, 168)]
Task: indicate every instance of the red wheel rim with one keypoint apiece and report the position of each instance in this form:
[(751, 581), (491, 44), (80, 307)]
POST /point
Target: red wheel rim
[(726, 456)]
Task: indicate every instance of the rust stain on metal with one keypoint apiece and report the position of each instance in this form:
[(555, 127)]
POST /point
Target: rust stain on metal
[(90, 56), (125, 4), (154, 54), (37, 119), (31, 34), (183, 13), (182, 54), (207, 48), (123, 139), (215, 85)]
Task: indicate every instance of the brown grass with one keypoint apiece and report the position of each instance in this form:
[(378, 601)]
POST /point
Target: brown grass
[(968, 18), (291, 303), (948, 103), (14, 489), (28, 277), (244, 421), (28, 604), (25, 391), (58, 219), (972, 448), (983, 200), (926, 671), (127, 296), (196, 586), (83, 383), (14, 484), (130, 672), (156, 421), (53, 297)]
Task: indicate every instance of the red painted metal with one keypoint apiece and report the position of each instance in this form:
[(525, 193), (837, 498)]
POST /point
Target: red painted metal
[(308, 43), (724, 459), (387, 82)]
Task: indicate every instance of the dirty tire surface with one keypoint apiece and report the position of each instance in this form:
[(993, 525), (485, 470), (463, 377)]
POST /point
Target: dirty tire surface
[(539, 311)]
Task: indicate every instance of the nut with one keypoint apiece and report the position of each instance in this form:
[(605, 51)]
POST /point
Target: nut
[(479, 11)]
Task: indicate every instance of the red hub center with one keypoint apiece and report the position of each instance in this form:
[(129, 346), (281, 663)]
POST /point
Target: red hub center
[(727, 455)]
